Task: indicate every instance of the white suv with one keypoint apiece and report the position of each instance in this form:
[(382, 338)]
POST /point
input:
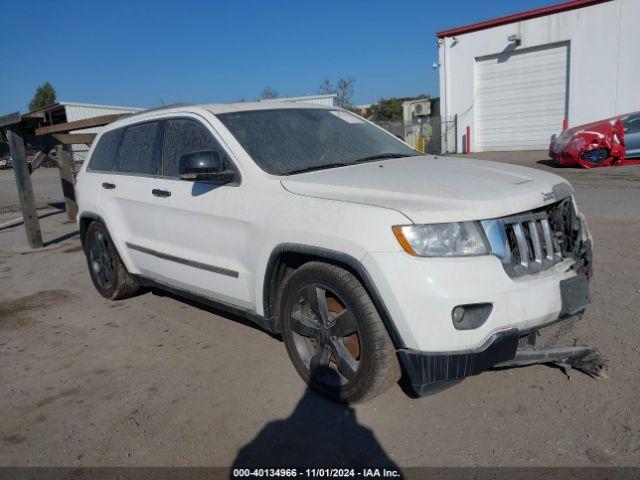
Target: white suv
[(368, 257)]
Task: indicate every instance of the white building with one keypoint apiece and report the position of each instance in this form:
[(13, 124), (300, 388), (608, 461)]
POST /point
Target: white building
[(80, 111), (329, 99), (515, 81), (62, 112)]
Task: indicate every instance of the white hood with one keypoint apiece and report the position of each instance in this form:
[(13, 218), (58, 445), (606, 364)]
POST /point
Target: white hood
[(432, 190)]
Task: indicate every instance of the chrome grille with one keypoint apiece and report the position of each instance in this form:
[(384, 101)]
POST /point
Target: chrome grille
[(530, 244), (534, 241)]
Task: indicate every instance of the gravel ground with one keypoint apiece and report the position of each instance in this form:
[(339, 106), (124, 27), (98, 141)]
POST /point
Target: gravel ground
[(156, 380)]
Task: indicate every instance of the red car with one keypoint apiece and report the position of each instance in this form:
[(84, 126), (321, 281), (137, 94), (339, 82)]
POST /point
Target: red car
[(615, 141)]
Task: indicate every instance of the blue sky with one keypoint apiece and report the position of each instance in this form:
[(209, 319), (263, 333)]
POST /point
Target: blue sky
[(139, 52)]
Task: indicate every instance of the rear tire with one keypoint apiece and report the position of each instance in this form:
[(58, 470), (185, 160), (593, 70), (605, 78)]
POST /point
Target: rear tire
[(334, 335), (108, 273)]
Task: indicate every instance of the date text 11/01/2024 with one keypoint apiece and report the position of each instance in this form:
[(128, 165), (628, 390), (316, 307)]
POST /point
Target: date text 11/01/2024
[(316, 472)]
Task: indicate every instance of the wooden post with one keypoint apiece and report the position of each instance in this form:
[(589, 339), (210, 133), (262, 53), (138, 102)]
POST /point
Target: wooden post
[(25, 190), (65, 159)]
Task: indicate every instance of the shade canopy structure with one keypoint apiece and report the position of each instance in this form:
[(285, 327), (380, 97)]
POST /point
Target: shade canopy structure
[(41, 130)]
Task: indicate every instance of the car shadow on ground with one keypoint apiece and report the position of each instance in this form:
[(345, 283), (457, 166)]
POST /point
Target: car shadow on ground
[(403, 383), (211, 309), (547, 162), (318, 434)]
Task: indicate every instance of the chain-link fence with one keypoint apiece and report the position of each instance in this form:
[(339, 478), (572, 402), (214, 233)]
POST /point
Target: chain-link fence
[(435, 135), (8, 191), (47, 188), (392, 127), (80, 153)]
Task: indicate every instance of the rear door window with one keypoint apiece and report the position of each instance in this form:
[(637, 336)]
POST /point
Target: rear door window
[(104, 155), (182, 135), (138, 153), (632, 123)]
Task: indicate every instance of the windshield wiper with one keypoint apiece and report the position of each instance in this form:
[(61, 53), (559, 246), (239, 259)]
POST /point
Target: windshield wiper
[(317, 167), (370, 158), (381, 156)]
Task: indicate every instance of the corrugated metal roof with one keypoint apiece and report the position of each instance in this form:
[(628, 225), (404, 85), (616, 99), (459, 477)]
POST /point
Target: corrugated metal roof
[(517, 17), (97, 105), (328, 99), (80, 111), (301, 98), (216, 108)]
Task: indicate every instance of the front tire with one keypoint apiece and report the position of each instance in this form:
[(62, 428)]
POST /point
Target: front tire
[(108, 273), (334, 335)]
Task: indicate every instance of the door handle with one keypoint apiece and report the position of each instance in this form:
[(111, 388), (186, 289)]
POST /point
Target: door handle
[(160, 193), (108, 186)]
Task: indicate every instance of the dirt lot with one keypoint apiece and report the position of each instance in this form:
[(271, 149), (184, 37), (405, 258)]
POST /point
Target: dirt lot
[(158, 381)]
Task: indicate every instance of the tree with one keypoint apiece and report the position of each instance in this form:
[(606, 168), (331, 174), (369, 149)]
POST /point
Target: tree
[(345, 92), (326, 87), (45, 95), (267, 93), (389, 110), (343, 89)]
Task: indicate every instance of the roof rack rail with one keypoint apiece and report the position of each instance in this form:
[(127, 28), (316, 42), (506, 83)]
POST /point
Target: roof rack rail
[(163, 107)]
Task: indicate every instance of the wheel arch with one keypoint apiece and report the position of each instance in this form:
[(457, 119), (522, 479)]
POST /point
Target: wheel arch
[(85, 219), (287, 257)]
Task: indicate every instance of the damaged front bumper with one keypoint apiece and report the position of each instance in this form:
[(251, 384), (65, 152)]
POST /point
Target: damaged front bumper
[(512, 347), (424, 369), (504, 350), (585, 359)]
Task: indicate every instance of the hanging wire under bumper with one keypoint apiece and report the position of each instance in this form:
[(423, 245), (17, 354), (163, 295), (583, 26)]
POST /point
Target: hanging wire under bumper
[(585, 359)]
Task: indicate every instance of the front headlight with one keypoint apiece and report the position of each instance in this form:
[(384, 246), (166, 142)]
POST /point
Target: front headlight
[(442, 239)]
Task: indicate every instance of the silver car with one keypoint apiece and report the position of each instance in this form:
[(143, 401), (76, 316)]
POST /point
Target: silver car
[(631, 126)]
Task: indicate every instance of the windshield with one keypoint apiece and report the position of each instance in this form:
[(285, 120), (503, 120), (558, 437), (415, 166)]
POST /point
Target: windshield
[(293, 140)]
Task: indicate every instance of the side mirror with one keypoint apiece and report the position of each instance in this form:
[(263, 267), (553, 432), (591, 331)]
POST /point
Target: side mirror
[(205, 166)]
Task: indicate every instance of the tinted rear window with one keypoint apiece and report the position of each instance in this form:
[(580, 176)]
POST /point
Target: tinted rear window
[(105, 152), (632, 123), (137, 152)]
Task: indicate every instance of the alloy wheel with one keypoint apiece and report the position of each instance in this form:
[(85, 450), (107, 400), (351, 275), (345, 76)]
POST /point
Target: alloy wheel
[(102, 260), (325, 334)]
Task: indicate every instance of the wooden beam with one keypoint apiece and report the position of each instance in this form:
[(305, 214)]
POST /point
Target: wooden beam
[(65, 159), (79, 124), (53, 139), (40, 114), (10, 119), (75, 138), (37, 160), (25, 190)]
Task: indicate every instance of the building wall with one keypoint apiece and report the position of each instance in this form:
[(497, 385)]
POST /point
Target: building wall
[(604, 64), (329, 100), (81, 111)]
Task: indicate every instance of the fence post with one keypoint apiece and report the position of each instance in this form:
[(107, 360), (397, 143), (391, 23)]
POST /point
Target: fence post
[(468, 140), (65, 159), (455, 138), (25, 190)]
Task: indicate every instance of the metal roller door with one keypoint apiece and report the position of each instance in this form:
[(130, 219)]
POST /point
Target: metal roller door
[(521, 98)]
